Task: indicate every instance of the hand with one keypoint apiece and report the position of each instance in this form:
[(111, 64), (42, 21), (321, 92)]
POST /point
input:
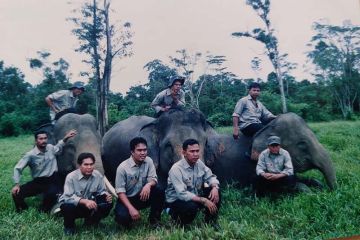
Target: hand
[(135, 214), (165, 109), (145, 192), (210, 205), (236, 134), (271, 176), (108, 197), (15, 190), (70, 134), (214, 195), (89, 204)]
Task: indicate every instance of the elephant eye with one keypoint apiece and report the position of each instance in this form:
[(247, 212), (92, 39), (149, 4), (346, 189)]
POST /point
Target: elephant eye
[(302, 145)]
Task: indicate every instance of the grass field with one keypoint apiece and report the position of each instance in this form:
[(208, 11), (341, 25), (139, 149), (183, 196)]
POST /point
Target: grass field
[(317, 215)]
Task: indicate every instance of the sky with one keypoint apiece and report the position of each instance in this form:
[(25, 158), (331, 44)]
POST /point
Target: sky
[(163, 26)]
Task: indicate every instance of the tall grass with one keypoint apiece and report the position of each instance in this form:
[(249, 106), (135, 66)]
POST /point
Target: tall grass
[(317, 215)]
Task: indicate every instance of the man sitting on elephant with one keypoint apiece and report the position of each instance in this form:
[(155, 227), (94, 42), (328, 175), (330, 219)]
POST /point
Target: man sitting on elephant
[(250, 115), (85, 195), (274, 169), (136, 186), (64, 101), (43, 165), (186, 193), (171, 97)]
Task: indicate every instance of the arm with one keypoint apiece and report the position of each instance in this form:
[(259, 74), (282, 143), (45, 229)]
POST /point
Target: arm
[(175, 176), (49, 102), (181, 101), (236, 115), (17, 173), (156, 103), (134, 213), (212, 180), (235, 127), (261, 166), (151, 182), (59, 146), (288, 166)]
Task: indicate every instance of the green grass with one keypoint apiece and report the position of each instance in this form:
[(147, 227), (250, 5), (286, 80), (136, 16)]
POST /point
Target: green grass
[(317, 215)]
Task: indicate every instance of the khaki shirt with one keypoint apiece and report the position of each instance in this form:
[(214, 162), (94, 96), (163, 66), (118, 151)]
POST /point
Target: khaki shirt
[(164, 99), (42, 164), (185, 182), (63, 99), (248, 113), (77, 186), (131, 178), (275, 163)]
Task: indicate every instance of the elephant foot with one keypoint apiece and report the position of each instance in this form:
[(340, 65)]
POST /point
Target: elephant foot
[(310, 182), (302, 188)]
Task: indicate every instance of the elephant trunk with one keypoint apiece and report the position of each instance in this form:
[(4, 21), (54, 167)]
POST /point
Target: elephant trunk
[(325, 165)]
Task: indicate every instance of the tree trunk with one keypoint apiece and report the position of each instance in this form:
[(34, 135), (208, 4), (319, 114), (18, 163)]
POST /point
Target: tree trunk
[(96, 57)]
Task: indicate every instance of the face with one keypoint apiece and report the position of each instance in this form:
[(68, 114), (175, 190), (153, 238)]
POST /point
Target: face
[(176, 86), (41, 140), (254, 92), (140, 152), (274, 148), (192, 153), (87, 167), (77, 91)]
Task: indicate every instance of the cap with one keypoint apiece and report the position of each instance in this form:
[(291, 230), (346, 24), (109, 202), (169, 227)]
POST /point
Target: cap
[(78, 85), (176, 78), (273, 140)]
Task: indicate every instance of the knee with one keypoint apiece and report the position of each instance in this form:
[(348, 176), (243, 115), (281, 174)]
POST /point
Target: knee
[(122, 215)]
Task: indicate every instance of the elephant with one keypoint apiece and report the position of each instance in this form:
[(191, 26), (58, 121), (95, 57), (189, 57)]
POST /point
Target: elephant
[(87, 140), (224, 155)]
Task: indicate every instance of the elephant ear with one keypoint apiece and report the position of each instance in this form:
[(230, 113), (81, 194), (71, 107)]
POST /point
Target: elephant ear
[(150, 133), (213, 148), (260, 139)]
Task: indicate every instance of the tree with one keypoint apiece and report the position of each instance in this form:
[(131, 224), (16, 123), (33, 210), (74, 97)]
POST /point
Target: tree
[(267, 37), (187, 63), (102, 41), (55, 77), (336, 55)]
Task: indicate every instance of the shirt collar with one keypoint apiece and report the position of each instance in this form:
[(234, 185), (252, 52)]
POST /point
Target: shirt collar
[(37, 150), (280, 150), (186, 165), (133, 164), (81, 176), (168, 92)]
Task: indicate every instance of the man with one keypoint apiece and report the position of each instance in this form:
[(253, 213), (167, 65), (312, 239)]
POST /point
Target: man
[(172, 97), (85, 195), (136, 186), (250, 115), (186, 193), (43, 166), (274, 169), (64, 101)]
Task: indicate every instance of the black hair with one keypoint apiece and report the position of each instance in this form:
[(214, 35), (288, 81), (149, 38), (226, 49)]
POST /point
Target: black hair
[(37, 133), (85, 155), (189, 142), (135, 141), (254, 85)]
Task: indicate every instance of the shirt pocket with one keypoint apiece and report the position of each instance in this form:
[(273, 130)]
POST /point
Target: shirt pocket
[(132, 180), (200, 180)]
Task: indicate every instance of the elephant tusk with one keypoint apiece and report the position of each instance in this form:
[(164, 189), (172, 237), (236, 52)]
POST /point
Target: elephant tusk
[(110, 187)]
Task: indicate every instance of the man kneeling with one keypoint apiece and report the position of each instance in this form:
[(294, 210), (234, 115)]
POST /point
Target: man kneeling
[(275, 172), (186, 194), (136, 186), (85, 195)]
